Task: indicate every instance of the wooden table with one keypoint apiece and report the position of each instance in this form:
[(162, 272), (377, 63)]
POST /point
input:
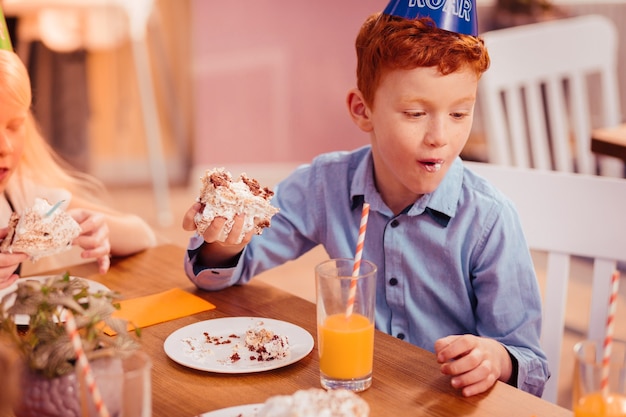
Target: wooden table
[(610, 141), (406, 378)]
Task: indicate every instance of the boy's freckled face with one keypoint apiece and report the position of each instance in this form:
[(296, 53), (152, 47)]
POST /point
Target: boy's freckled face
[(420, 122)]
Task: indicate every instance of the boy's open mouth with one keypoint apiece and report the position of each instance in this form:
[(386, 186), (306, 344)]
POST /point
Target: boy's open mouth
[(432, 165)]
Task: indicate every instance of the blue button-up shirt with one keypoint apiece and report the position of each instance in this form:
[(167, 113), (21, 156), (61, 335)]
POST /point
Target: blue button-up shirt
[(455, 262)]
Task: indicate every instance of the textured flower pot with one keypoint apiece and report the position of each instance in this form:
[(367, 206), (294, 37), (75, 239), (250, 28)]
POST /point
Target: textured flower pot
[(64, 396)]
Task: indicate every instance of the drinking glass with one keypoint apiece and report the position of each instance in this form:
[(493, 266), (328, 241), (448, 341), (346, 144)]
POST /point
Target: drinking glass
[(345, 323), (589, 400), (124, 384)]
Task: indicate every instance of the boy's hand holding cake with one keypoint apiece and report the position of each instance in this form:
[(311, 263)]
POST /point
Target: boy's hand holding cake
[(220, 196)]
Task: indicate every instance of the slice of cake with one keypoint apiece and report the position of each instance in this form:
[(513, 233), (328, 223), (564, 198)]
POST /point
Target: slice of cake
[(315, 402), (40, 230), (266, 344), (223, 197)]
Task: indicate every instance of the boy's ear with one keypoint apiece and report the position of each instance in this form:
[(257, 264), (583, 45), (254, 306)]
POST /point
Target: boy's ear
[(359, 111)]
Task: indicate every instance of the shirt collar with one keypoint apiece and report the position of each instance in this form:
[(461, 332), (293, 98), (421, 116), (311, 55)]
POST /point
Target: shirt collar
[(444, 200), (363, 187), (441, 204)]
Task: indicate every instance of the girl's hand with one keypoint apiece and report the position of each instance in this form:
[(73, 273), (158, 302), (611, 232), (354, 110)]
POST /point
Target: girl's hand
[(94, 237), (9, 263)]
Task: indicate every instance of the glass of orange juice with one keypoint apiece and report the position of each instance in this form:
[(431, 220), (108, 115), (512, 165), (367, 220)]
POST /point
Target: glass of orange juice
[(345, 323), (589, 397)]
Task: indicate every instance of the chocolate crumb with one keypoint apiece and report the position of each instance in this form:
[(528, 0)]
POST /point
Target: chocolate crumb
[(220, 179)]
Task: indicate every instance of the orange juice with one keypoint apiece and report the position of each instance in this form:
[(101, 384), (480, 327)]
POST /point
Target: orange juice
[(595, 405), (346, 346)]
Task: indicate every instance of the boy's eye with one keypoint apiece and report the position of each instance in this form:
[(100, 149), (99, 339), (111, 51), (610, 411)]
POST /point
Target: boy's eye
[(415, 113), (458, 115)]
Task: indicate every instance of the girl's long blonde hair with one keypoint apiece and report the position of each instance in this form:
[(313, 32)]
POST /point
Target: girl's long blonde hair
[(39, 162)]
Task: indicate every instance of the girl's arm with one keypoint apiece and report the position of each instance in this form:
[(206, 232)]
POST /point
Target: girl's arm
[(128, 233)]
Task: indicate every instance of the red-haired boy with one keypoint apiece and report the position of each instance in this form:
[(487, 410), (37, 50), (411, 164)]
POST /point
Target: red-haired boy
[(455, 273)]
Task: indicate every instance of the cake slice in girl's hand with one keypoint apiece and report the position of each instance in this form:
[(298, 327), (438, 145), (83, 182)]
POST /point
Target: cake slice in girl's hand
[(40, 230), (223, 197)]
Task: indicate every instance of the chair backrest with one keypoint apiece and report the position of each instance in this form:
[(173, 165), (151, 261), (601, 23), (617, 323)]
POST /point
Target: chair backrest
[(548, 86), (566, 215)]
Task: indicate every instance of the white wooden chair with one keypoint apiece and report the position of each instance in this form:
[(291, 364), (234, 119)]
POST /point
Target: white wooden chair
[(548, 86), (566, 215)]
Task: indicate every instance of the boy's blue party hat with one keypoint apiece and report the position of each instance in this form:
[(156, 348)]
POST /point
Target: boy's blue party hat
[(454, 15), (5, 39)]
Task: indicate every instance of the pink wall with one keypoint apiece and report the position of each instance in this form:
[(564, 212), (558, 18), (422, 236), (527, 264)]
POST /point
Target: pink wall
[(270, 78)]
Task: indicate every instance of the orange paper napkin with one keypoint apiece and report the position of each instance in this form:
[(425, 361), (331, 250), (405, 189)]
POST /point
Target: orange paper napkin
[(157, 308)]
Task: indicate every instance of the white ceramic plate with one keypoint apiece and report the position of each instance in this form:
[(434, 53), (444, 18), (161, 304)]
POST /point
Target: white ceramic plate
[(21, 319), (237, 411), (189, 346)]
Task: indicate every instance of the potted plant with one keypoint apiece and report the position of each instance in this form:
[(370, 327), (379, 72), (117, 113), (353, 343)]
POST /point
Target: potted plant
[(50, 385)]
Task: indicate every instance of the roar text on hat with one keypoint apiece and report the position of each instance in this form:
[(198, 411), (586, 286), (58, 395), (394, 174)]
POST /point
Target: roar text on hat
[(458, 8), (453, 15)]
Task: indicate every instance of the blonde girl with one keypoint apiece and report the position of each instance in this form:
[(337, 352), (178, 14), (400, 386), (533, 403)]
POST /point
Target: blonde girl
[(29, 168)]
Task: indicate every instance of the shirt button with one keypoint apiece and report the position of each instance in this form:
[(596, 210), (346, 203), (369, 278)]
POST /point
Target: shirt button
[(395, 223), (393, 282), (400, 336)]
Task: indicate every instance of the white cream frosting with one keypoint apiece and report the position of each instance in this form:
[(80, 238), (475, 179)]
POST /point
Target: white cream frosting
[(315, 402), (266, 344), (223, 197)]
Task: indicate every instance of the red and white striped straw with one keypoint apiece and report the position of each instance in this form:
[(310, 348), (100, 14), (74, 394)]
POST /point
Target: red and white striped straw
[(72, 331), (357, 258), (608, 338)]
